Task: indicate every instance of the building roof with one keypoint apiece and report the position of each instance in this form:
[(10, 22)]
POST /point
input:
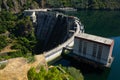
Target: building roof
[(94, 38)]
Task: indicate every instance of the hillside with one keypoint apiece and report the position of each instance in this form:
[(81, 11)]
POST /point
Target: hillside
[(17, 68), (18, 39), (19, 5), (85, 4)]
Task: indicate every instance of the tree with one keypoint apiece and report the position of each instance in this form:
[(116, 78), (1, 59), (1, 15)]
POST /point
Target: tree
[(3, 42), (75, 73), (52, 74), (7, 16), (24, 27)]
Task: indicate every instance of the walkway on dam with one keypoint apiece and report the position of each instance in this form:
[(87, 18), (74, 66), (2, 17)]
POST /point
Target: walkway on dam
[(52, 54)]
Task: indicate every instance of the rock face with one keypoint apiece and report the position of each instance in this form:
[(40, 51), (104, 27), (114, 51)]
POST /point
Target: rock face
[(16, 6), (52, 28)]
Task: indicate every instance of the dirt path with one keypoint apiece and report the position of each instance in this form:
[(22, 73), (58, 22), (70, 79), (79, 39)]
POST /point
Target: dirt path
[(6, 49), (17, 68)]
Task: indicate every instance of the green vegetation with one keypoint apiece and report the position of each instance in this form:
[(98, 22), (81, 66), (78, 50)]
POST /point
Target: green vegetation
[(3, 42), (75, 73), (19, 32), (7, 21), (19, 5), (2, 65), (58, 3), (31, 59), (85, 4), (53, 74)]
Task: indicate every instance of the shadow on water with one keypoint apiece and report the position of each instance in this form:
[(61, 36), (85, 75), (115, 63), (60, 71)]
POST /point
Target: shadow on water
[(89, 72)]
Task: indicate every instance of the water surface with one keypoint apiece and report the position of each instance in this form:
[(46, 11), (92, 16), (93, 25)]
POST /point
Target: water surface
[(115, 68), (102, 23)]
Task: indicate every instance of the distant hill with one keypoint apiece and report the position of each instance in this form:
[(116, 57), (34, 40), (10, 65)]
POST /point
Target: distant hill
[(18, 5), (85, 4)]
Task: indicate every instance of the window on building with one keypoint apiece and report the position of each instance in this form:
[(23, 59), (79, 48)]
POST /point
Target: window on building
[(100, 52), (80, 46), (85, 48), (94, 50)]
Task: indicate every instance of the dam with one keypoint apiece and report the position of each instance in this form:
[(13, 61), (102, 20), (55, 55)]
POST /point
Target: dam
[(56, 31)]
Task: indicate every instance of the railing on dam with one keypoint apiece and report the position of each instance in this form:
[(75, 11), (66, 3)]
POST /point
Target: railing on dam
[(66, 43)]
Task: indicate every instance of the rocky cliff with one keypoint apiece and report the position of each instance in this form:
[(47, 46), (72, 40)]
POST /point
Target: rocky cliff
[(16, 6)]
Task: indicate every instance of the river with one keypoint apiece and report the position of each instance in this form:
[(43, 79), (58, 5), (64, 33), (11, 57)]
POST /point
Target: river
[(102, 23)]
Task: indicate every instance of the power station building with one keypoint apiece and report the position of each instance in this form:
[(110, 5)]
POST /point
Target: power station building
[(94, 48)]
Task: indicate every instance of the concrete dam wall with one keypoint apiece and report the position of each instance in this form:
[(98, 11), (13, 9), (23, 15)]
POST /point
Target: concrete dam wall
[(55, 52), (55, 31)]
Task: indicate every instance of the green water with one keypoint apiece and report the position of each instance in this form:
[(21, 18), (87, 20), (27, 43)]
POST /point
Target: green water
[(115, 68), (107, 24), (103, 23)]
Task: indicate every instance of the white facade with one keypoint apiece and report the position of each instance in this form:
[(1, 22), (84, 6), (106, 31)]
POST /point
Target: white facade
[(32, 13), (33, 17), (89, 46)]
